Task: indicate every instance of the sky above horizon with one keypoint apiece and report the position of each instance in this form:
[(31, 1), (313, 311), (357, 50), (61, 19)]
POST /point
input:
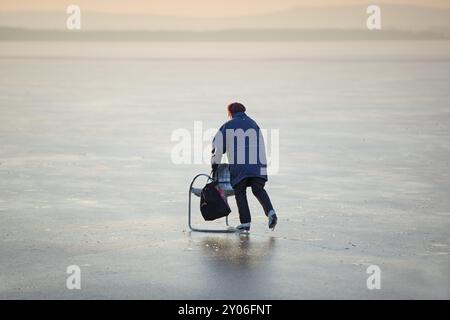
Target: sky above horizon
[(194, 7)]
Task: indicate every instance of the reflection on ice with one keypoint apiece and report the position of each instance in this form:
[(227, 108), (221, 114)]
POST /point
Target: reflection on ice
[(240, 251)]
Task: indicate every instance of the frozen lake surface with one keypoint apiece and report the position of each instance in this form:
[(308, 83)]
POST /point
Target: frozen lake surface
[(86, 176)]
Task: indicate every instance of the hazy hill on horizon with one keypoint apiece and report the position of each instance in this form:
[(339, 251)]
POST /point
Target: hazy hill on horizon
[(401, 17)]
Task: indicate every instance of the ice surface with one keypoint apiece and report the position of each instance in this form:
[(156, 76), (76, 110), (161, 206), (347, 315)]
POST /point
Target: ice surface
[(86, 176)]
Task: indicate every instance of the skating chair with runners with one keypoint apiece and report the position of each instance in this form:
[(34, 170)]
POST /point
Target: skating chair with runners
[(222, 175)]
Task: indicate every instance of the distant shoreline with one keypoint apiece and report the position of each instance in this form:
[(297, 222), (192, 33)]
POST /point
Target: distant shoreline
[(229, 35)]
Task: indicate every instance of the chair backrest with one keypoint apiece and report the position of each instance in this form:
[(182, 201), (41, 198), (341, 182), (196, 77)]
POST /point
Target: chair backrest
[(222, 175)]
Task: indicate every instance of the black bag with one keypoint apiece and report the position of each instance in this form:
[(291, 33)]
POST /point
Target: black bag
[(212, 205)]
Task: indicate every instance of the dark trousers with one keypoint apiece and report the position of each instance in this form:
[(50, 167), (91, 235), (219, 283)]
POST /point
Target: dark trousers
[(240, 193)]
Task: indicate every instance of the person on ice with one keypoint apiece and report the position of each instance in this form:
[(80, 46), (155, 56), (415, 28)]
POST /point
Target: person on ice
[(241, 139)]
